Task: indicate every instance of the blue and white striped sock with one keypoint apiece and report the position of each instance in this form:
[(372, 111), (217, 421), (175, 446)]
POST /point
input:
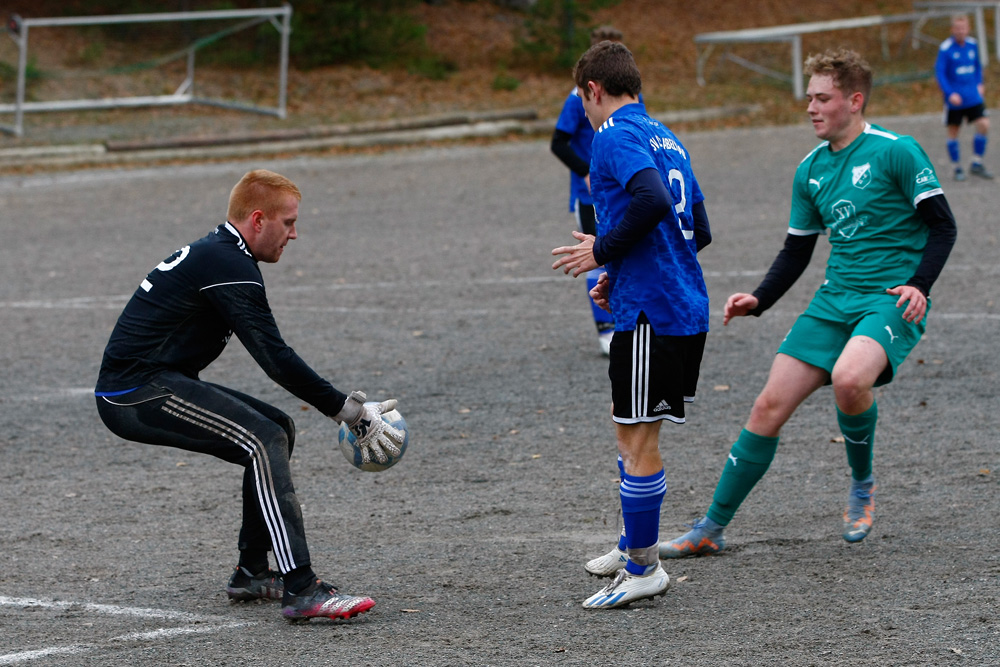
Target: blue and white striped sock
[(641, 500), (622, 541)]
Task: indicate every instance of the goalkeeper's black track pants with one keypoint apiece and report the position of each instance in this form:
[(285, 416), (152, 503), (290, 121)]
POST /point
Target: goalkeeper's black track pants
[(176, 411)]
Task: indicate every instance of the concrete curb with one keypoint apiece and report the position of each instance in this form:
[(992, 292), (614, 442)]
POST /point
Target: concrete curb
[(384, 133), (326, 131)]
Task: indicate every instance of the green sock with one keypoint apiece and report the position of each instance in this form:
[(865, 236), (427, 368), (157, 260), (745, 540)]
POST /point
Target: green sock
[(859, 440), (749, 459)]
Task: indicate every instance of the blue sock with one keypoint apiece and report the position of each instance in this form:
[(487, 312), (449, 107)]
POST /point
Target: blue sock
[(622, 542), (602, 318), (953, 151), (979, 146), (641, 500)]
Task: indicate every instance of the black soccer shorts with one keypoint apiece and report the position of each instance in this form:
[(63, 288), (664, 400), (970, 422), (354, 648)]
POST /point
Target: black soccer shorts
[(653, 376), (972, 114)]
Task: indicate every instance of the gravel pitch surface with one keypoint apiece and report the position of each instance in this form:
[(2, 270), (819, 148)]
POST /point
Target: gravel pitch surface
[(424, 275)]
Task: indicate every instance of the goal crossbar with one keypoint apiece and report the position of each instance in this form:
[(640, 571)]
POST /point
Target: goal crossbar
[(18, 29)]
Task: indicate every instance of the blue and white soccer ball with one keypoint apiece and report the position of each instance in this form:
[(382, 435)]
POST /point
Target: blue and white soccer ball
[(351, 451)]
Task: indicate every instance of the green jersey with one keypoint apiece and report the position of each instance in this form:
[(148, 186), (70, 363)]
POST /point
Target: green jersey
[(866, 196)]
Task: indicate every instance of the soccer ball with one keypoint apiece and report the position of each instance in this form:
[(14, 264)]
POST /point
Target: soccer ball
[(351, 451)]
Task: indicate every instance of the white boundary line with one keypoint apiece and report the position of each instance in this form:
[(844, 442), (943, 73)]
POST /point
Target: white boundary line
[(118, 301), (207, 624), (109, 609)]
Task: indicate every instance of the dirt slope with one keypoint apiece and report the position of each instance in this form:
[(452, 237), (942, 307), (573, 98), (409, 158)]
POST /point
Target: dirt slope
[(480, 37)]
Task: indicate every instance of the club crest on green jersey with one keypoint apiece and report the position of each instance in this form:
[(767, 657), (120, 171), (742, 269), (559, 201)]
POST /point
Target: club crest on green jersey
[(861, 176), (842, 211), (847, 222)]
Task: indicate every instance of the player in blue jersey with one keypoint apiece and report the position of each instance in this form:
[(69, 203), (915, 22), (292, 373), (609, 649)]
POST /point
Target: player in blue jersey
[(178, 322), (651, 222), (891, 231), (571, 142), (960, 76)]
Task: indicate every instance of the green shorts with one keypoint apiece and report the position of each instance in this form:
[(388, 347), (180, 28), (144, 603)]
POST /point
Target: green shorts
[(836, 315)]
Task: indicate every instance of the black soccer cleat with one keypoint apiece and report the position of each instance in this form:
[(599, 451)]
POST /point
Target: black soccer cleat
[(244, 586)]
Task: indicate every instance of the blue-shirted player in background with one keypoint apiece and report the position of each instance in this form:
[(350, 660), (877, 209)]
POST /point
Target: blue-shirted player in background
[(571, 142), (651, 222), (960, 75)]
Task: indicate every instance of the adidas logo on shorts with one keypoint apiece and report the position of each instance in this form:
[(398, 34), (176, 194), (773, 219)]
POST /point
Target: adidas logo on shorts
[(661, 406)]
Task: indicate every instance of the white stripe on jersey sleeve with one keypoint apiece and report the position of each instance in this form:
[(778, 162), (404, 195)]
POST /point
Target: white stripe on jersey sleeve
[(879, 133), (927, 195), (822, 145), (237, 282)]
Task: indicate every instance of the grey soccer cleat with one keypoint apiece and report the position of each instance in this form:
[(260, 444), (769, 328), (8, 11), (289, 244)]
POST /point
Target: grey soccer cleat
[(860, 512), (701, 540)]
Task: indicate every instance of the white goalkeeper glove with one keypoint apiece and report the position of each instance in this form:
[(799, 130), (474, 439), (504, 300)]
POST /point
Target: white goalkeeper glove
[(374, 436)]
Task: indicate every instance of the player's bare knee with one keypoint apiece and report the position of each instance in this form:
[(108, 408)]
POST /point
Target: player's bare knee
[(767, 415), (850, 390)]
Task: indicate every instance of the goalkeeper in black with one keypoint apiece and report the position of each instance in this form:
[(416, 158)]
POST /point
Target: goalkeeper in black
[(178, 322)]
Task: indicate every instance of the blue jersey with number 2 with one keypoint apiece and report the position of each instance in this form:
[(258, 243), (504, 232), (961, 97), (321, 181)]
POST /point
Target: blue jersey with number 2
[(660, 276)]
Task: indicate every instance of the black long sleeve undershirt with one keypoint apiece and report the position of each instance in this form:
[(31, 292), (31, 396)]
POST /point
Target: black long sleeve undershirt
[(937, 215), (785, 270), (794, 257), (246, 310), (651, 202), (563, 150), (702, 230)]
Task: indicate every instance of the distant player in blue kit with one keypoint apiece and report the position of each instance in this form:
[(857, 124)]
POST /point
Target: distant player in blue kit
[(651, 222), (177, 322), (571, 142), (876, 195), (960, 76)]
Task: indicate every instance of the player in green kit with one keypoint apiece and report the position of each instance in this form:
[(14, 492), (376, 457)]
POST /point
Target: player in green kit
[(877, 197)]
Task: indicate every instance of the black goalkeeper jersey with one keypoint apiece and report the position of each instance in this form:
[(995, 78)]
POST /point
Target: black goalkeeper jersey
[(184, 312)]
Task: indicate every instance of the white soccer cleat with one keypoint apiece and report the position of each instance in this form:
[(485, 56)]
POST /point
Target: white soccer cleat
[(608, 564), (605, 340), (628, 588)]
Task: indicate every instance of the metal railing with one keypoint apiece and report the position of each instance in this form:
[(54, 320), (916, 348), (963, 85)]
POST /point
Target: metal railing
[(792, 34), (18, 28)]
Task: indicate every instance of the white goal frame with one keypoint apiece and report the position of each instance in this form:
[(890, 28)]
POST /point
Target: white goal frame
[(792, 34), (18, 29)]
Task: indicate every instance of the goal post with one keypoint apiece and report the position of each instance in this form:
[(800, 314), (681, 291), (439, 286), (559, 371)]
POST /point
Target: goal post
[(18, 29)]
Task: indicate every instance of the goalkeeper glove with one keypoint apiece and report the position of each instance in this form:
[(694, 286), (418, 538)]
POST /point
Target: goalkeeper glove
[(374, 436)]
